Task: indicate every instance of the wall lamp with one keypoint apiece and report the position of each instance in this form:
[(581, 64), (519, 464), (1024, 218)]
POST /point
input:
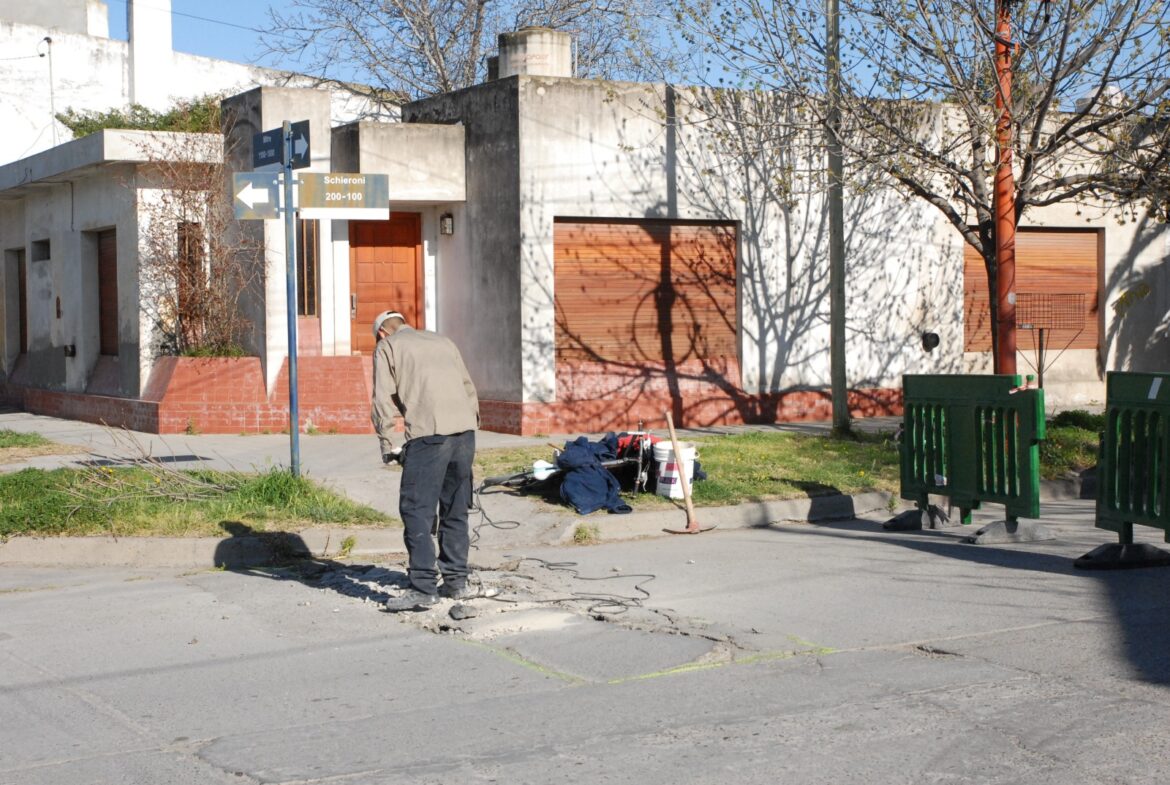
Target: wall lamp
[(446, 224)]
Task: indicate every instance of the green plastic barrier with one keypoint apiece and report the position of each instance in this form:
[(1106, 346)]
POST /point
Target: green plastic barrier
[(1133, 473), (973, 439)]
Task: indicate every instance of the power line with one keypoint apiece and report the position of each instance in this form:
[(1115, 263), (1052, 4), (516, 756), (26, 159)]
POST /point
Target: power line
[(202, 18)]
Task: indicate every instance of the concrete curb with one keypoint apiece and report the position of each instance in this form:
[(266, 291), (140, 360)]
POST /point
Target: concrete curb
[(542, 528), (744, 516), (212, 552), (194, 552)]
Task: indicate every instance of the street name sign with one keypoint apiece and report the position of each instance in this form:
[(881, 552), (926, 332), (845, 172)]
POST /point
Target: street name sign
[(339, 195), (256, 195), (267, 146)]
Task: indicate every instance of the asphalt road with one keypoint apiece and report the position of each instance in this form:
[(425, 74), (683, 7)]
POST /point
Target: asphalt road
[(795, 653)]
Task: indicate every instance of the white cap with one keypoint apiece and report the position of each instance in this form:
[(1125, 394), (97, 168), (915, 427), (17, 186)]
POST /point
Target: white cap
[(382, 317)]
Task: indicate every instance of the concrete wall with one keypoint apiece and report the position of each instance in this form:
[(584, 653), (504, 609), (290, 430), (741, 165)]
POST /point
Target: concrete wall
[(1136, 306), (57, 225), (593, 149), (88, 17), (425, 162), (87, 73), (478, 275), (606, 150), (578, 148), (90, 72)]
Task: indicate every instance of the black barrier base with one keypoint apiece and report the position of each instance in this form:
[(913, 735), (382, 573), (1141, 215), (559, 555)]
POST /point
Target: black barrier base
[(1123, 557), (1002, 532), (933, 517)]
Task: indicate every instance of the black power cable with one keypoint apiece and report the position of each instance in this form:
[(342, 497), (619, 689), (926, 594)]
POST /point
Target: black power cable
[(601, 602)]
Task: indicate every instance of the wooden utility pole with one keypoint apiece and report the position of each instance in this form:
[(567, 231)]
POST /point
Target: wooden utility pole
[(837, 377)]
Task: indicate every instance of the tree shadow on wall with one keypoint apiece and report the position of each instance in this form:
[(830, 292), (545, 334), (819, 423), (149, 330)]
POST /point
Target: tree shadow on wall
[(1138, 332), (710, 343)]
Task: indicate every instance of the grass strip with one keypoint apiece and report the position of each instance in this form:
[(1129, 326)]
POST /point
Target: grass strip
[(1067, 450), (137, 501), (754, 466), (763, 465), (779, 465), (9, 438)]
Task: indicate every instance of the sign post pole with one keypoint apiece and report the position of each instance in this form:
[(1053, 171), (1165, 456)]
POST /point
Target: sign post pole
[(290, 257), (327, 196)]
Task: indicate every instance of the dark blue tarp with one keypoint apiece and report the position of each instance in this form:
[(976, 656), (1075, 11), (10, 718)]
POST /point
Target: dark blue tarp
[(587, 485)]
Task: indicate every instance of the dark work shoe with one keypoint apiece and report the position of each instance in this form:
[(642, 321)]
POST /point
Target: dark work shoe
[(466, 592), (411, 600)]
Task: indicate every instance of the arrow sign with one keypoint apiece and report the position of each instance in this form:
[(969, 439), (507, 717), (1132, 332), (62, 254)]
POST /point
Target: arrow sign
[(252, 196), (267, 147), (256, 195)]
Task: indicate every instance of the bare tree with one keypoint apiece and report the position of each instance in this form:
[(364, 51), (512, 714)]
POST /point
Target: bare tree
[(193, 269), (391, 50), (1089, 104)]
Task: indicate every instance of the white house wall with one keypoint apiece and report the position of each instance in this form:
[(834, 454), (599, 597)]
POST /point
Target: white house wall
[(478, 288), (429, 230), (904, 279), (68, 216), (150, 65), (335, 289), (1137, 327), (605, 150), (93, 73), (77, 16), (586, 150), (450, 282), (89, 74)]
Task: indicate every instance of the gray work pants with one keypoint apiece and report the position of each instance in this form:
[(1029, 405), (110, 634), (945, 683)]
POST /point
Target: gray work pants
[(436, 472)]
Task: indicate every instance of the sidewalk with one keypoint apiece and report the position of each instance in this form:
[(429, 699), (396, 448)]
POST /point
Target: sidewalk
[(351, 465)]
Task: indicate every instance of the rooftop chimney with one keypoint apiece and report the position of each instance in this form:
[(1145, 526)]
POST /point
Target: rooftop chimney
[(536, 51), (149, 25)]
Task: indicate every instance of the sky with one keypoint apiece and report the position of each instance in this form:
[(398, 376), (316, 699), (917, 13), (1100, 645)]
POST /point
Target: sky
[(224, 29)]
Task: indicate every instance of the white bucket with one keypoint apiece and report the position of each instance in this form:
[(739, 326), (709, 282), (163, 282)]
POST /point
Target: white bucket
[(668, 474)]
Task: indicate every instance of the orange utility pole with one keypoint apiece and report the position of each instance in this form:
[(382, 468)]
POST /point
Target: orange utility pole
[(1005, 196)]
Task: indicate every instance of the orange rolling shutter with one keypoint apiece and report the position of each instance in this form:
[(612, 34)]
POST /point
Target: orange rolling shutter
[(630, 291), (1048, 262)]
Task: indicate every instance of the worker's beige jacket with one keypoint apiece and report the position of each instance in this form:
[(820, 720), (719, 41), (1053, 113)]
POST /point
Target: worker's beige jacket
[(421, 374)]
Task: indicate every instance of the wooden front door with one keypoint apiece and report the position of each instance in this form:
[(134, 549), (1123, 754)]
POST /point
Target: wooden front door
[(108, 293), (385, 272)]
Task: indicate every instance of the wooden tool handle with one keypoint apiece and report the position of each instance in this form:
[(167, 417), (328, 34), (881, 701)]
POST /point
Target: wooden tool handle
[(682, 473)]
